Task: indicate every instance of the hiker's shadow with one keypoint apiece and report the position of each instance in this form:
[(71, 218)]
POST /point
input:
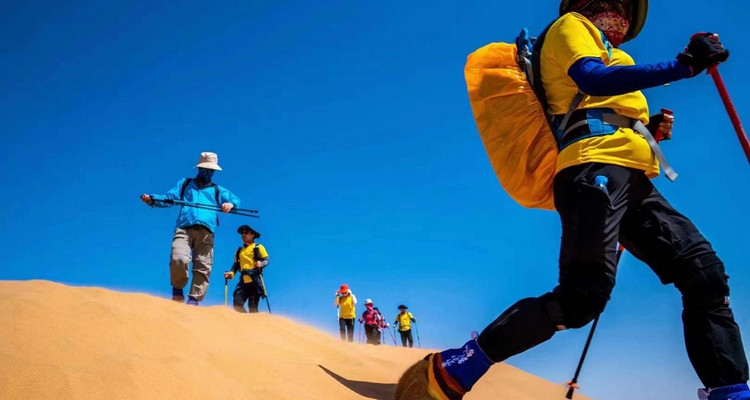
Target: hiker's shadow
[(372, 390)]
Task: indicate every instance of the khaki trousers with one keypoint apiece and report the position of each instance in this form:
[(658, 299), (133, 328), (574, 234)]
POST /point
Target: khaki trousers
[(196, 244)]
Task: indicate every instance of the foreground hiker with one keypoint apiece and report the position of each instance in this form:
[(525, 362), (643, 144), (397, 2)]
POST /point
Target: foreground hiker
[(603, 195), (249, 261), (194, 234), (372, 319), (403, 321), (346, 302)]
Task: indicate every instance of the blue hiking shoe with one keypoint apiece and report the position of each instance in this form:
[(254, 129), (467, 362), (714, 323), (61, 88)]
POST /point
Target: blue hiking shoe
[(177, 295), (191, 301), (731, 392)]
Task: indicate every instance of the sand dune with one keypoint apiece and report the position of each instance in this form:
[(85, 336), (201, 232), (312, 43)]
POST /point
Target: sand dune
[(62, 342)]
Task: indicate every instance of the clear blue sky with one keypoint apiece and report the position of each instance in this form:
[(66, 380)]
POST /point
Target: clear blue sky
[(348, 125)]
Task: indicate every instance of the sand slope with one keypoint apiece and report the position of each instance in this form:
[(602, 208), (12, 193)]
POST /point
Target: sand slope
[(62, 342)]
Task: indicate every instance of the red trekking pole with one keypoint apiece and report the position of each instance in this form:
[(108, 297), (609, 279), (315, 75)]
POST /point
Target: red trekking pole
[(741, 135)]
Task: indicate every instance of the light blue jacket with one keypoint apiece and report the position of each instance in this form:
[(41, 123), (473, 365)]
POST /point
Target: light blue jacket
[(192, 215)]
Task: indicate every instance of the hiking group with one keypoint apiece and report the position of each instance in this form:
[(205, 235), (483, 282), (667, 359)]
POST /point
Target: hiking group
[(594, 155), (200, 200), (569, 106), (372, 319)]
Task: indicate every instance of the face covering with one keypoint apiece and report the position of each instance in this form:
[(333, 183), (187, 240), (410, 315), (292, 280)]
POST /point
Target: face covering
[(611, 17), (205, 174)]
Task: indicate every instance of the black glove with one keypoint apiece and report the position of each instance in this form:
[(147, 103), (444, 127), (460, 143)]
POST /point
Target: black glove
[(653, 127), (703, 51)]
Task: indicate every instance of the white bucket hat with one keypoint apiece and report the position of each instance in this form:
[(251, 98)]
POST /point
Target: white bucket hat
[(209, 160), (368, 301)]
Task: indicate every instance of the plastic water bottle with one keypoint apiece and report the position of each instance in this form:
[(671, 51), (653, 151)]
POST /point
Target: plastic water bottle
[(600, 181)]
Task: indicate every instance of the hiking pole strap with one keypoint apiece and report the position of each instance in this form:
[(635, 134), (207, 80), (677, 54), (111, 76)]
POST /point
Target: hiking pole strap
[(638, 126)]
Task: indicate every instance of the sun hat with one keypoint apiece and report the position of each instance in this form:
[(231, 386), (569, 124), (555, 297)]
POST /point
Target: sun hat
[(208, 160), (368, 301), (246, 228)]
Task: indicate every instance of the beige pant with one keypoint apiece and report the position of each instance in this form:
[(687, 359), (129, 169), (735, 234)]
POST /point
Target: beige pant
[(196, 244)]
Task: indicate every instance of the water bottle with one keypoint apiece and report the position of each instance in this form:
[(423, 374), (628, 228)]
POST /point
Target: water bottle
[(600, 181)]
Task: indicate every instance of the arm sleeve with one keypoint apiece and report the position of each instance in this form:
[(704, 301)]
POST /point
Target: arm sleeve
[(263, 255), (354, 298), (172, 194), (225, 196), (596, 79)]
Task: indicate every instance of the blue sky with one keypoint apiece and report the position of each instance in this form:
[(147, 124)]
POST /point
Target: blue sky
[(348, 126)]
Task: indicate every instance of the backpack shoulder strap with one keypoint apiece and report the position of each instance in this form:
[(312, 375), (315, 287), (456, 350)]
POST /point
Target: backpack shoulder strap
[(184, 187), (237, 254), (216, 194)]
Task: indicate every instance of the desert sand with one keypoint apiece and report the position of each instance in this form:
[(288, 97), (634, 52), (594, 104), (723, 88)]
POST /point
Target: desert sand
[(64, 342)]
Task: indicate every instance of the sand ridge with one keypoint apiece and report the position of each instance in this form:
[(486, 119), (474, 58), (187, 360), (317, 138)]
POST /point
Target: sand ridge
[(64, 342)]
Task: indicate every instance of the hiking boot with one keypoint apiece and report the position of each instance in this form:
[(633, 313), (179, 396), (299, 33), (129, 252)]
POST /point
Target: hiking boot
[(444, 376), (177, 295), (414, 383), (191, 301), (732, 392)]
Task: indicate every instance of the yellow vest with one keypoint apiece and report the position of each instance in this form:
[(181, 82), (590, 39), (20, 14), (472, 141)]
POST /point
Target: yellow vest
[(569, 39), (247, 259), (404, 321), (346, 307)]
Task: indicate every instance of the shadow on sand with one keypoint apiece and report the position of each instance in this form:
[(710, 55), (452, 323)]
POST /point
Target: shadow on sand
[(379, 391)]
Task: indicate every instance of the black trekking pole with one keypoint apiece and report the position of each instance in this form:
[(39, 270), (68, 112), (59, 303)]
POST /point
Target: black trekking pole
[(237, 211), (265, 293), (573, 384), (416, 329)]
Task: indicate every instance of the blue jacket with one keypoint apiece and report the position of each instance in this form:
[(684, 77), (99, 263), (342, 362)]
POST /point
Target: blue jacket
[(197, 216)]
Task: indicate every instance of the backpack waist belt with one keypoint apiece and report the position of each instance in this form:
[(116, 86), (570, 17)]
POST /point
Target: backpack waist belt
[(592, 122)]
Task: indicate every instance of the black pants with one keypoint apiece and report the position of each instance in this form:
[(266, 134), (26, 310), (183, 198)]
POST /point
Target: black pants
[(373, 334), (346, 328), (406, 337), (249, 292), (634, 213)]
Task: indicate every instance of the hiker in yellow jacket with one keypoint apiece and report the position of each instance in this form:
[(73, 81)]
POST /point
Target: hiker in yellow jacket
[(603, 194), (346, 303), (404, 320), (249, 261)]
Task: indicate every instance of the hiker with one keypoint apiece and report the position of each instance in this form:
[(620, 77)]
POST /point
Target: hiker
[(346, 303), (194, 234), (372, 320), (249, 260), (403, 321), (603, 195)]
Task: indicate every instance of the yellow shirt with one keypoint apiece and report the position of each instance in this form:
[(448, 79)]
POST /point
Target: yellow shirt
[(247, 259), (404, 321), (569, 39), (346, 305)]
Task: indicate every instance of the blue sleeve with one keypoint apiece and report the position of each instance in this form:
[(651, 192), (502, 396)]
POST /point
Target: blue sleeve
[(172, 194), (225, 196), (596, 79)]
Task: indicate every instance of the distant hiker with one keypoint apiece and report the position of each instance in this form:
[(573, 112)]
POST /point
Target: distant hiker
[(249, 260), (346, 302), (372, 321), (403, 321), (603, 194), (194, 233)]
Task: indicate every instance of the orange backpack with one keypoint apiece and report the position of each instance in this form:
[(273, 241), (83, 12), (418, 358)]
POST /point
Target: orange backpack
[(512, 122)]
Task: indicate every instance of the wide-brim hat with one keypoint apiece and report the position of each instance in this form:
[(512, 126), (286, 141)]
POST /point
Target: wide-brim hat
[(640, 11), (246, 228), (403, 306), (344, 288), (208, 160)]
